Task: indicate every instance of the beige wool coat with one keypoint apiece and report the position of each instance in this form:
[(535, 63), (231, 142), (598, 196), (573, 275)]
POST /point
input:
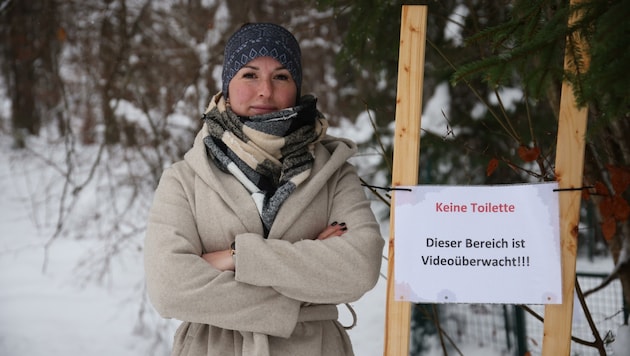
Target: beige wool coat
[(283, 297)]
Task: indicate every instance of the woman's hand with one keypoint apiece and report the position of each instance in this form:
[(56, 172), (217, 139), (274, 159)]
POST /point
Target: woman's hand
[(334, 229), (221, 260)]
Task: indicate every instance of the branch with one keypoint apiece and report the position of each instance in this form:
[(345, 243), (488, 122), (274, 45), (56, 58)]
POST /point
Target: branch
[(622, 261), (435, 319), (598, 343), (375, 192), (542, 320)]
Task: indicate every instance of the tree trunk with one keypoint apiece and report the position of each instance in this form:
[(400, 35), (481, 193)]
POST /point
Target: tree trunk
[(28, 41)]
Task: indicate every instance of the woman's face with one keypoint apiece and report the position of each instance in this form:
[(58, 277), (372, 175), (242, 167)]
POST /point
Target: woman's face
[(262, 86)]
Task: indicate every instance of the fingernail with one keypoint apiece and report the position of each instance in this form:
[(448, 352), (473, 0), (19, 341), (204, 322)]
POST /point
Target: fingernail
[(333, 224), (343, 224), (344, 229)]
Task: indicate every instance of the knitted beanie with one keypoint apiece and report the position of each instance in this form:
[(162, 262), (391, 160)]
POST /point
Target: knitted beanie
[(261, 40)]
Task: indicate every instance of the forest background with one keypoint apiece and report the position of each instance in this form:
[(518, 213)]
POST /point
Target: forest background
[(107, 93)]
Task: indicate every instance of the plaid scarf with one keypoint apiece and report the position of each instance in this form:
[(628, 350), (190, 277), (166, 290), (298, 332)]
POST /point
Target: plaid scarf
[(269, 154)]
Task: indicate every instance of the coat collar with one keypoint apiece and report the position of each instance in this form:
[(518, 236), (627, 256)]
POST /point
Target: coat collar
[(330, 155)]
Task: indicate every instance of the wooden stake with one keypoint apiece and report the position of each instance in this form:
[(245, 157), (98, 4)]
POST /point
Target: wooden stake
[(569, 170), (406, 156)]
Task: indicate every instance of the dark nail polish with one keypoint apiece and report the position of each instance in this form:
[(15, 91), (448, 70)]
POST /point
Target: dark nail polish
[(343, 224), (344, 229), (333, 224)]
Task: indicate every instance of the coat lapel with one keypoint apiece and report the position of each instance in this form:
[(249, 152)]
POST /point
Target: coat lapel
[(229, 188)]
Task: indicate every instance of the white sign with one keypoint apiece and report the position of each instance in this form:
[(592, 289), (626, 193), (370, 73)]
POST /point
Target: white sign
[(477, 244)]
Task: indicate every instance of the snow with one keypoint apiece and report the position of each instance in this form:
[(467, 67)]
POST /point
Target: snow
[(47, 314), (621, 346), (46, 306), (453, 29), (362, 129), (509, 97), (435, 116)]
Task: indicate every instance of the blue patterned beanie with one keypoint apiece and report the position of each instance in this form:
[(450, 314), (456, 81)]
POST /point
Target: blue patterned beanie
[(262, 40)]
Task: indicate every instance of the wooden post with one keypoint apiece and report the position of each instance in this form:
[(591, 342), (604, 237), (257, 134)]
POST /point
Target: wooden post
[(406, 156), (569, 170)]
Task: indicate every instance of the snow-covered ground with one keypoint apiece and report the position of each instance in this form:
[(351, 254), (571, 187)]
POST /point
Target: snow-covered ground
[(48, 308)]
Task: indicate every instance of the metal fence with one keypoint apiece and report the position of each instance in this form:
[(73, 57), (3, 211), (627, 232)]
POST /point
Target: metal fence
[(508, 330), (606, 308)]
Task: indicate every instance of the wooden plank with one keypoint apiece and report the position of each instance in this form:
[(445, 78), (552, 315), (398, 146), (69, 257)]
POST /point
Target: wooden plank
[(569, 170), (406, 156)]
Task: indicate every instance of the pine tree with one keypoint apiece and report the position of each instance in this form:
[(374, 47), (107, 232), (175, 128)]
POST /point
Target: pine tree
[(518, 46)]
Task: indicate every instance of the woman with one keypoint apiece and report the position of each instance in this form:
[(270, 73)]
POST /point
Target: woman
[(263, 229)]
